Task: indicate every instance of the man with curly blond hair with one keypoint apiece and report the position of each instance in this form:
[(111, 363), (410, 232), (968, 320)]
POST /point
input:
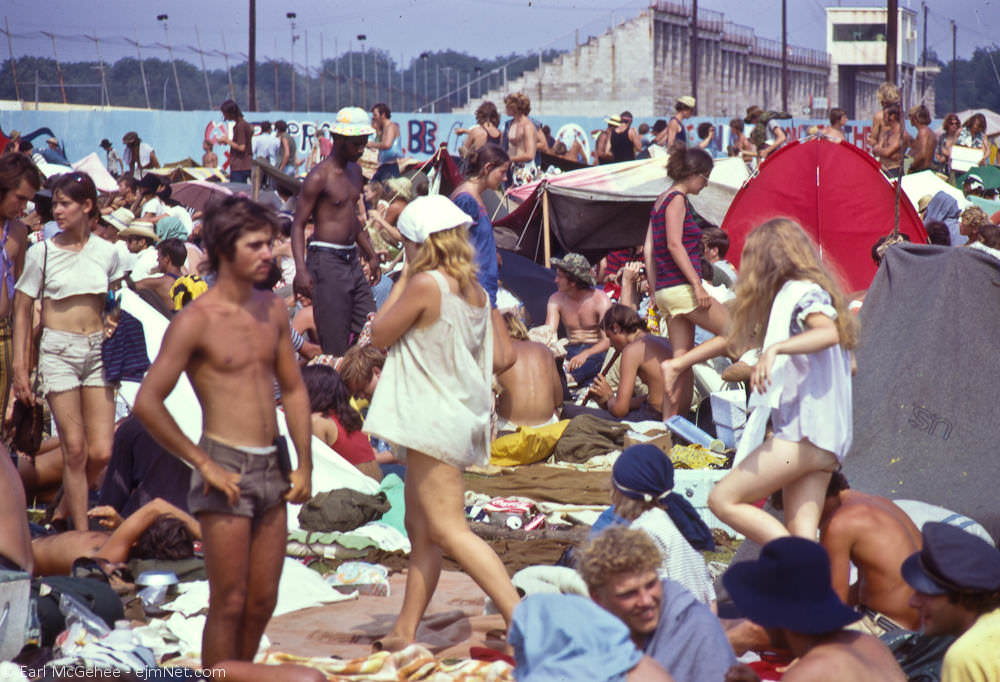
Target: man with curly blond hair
[(666, 621)]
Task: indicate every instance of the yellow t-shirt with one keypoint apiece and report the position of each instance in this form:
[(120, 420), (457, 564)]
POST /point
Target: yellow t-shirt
[(975, 656)]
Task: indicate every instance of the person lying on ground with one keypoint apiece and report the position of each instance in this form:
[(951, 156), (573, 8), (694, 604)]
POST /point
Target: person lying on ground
[(569, 637), (158, 530), (579, 306), (665, 621), (335, 421), (641, 355), (531, 393), (956, 579), (787, 591)]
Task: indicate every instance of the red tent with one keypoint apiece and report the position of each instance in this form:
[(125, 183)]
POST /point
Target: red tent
[(839, 196)]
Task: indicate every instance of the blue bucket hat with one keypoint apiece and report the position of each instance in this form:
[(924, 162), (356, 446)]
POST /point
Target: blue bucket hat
[(952, 560), (788, 586)]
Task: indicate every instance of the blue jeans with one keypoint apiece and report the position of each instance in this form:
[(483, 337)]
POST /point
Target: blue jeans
[(590, 368)]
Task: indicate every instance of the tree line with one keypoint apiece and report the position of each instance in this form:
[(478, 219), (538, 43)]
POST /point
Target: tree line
[(363, 78), (354, 78)]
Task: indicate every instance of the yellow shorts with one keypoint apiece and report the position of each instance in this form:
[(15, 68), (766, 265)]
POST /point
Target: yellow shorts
[(676, 300)]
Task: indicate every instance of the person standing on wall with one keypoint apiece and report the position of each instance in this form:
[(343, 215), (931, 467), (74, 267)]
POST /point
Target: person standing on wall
[(288, 163), (138, 155), (240, 144), (625, 141), (388, 143)]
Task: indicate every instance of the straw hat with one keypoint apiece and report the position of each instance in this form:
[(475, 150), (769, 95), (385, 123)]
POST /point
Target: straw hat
[(120, 219), (613, 120), (139, 228), (687, 100)]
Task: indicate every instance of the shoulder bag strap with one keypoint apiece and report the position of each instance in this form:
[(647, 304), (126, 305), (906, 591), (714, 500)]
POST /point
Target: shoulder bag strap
[(41, 312)]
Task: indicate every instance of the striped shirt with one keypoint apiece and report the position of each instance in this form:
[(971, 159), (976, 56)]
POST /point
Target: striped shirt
[(617, 259), (667, 272)]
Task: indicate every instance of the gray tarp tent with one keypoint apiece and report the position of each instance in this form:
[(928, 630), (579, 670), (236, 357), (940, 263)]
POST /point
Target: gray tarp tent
[(925, 405)]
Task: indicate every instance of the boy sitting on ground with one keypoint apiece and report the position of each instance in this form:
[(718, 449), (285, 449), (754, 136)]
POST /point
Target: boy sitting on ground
[(641, 355)]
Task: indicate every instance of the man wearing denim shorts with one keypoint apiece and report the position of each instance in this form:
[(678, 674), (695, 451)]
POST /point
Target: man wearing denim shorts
[(233, 342), (333, 275)]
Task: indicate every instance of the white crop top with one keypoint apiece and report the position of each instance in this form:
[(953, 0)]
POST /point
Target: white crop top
[(69, 273)]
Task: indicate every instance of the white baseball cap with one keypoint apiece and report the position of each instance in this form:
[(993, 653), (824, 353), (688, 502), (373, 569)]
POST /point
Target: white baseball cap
[(424, 216)]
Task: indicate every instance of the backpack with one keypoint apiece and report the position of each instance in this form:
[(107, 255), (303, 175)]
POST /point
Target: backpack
[(186, 289)]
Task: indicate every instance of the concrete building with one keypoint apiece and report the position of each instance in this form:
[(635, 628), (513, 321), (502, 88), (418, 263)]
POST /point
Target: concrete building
[(643, 65), (856, 40)]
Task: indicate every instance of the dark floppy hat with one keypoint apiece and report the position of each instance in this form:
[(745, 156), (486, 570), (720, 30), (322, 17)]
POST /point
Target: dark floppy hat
[(952, 560), (788, 586)]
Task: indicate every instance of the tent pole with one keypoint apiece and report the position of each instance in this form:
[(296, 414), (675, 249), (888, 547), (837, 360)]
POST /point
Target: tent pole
[(545, 226)]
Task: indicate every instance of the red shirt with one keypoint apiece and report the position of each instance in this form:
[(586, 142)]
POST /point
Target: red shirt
[(354, 446)]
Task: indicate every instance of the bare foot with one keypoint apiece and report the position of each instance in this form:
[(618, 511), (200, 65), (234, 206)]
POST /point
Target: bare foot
[(391, 642)]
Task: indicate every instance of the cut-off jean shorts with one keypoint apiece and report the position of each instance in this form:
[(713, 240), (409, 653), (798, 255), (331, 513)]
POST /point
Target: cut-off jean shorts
[(67, 360)]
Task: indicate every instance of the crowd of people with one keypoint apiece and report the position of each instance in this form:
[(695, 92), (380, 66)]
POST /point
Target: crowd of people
[(374, 293)]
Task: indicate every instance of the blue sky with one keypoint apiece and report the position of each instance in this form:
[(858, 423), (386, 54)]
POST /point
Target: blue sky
[(405, 28)]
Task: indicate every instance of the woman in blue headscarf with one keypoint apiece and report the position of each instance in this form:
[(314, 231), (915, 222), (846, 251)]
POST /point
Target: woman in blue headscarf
[(642, 483)]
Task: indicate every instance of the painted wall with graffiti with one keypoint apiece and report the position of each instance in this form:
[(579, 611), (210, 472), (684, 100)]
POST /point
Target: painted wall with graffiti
[(179, 135)]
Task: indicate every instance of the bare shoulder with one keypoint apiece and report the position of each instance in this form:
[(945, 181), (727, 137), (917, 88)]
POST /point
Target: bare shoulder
[(557, 298), (600, 299)]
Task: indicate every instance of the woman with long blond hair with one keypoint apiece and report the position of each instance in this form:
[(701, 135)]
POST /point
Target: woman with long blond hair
[(791, 307), (432, 403)]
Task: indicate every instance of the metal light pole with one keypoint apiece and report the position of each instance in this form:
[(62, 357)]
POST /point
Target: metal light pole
[(291, 21), (423, 57), (364, 79), (173, 64), (142, 69), (251, 62)]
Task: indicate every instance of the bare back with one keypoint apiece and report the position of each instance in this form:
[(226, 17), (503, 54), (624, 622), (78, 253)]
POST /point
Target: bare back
[(55, 554), (877, 536), (847, 657), (923, 149), (331, 195), (531, 389), (232, 366), (655, 350)]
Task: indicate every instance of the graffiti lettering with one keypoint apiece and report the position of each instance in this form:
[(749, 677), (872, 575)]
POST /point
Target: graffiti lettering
[(423, 136), (925, 420)]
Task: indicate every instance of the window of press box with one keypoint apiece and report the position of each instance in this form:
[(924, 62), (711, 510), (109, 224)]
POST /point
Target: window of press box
[(859, 33)]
